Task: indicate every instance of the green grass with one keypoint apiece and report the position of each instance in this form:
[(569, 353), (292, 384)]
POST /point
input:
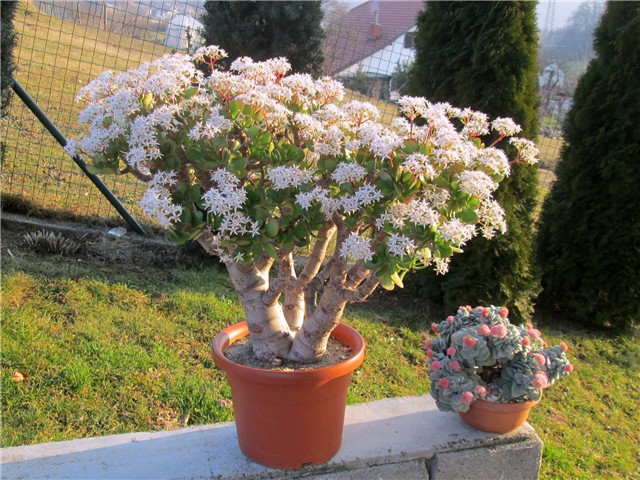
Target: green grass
[(113, 347), (55, 58)]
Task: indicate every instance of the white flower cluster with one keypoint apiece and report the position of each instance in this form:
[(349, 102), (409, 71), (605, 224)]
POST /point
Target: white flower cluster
[(156, 201), (287, 177), (402, 184), (348, 172), (345, 204), (505, 126), (527, 150), (355, 248), (226, 201)]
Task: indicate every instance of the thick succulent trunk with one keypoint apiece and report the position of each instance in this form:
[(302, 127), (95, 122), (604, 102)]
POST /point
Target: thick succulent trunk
[(268, 330), (313, 302), (311, 341)]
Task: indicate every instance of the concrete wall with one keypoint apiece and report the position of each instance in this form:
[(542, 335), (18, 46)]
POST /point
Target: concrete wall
[(401, 438)]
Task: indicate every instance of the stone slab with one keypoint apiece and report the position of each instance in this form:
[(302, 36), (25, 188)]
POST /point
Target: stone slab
[(404, 432)]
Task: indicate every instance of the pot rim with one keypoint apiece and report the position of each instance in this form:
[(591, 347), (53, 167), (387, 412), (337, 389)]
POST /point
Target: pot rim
[(343, 333), (501, 406)]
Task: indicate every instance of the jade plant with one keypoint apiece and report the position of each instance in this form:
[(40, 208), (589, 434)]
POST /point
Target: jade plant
[(309, 202), (479, 354)]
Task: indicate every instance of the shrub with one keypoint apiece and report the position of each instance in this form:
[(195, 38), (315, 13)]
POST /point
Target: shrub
[(262, 30), (589, 232), (484, 54)]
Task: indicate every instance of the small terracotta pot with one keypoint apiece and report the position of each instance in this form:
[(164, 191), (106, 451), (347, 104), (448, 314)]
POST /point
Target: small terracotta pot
[(289, 419), (495, 417)]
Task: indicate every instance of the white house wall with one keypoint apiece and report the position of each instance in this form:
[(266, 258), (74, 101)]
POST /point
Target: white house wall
[(384, 62)]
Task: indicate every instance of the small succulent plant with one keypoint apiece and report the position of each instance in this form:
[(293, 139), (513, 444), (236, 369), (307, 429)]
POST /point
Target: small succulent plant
[(45, 241), (478, 353)]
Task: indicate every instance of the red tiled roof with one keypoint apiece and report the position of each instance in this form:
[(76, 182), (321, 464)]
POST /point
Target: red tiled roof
[(354, 37)]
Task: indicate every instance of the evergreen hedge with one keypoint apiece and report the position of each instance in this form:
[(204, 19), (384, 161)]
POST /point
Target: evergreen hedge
[(589, 233), (8, 42), (483, 55), (263, 30)]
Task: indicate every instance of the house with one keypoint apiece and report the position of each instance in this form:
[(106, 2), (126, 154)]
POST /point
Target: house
[(178, 31), (368, 44)]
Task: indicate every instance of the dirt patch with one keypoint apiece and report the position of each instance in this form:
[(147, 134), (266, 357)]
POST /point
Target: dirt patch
[(242, 353), (98, 246)]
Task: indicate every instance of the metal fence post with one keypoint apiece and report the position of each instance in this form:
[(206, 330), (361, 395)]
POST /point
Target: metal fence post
[(48, 124)]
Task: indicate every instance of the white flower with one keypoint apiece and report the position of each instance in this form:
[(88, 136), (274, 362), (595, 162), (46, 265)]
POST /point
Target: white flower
[(494, 159), (527, 150), (419, 165), (71, 148), (492, 218), (475, 123), (505, 126), (412, 107), (442, 265), (328, 90), (422, 213), (383, 145), (477, 183), (361, 112), (348, 172), (457, 232), (209, 52), (400, 245), (156, 201), (227, 198), (355, 248), (289, 176)]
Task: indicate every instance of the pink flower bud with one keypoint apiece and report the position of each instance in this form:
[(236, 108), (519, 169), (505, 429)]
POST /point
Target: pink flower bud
[(436, 365), (535, 334), (481, 391), (526, 341), (429, 353), (455, 365), (565, 347), (451, 351), (434, 328), (466, 398), (539, 358), (484, 330), (485, 312), (443, 383), (469, 341), (450, 319), (499, 331), (540, 380), (568, 368), (504, 312)]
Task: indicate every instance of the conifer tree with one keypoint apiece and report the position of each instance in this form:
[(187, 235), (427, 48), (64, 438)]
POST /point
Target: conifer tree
[(589, 233), (7, 44), (263, 30), (483, 55)]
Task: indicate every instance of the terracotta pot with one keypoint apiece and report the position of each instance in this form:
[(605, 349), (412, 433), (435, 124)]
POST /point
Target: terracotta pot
[(289, 419), (495, 417)]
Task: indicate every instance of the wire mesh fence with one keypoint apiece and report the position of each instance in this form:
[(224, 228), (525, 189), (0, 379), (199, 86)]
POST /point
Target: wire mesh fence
[(65, 44)]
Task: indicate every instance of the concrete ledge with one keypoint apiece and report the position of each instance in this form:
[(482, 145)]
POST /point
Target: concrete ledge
[(405, 438)]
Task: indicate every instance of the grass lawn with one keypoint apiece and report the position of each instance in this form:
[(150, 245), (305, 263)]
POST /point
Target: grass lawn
[(111, 342)]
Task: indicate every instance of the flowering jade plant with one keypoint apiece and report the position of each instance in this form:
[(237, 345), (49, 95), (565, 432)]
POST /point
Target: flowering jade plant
[(259, 166), (478, 353)]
